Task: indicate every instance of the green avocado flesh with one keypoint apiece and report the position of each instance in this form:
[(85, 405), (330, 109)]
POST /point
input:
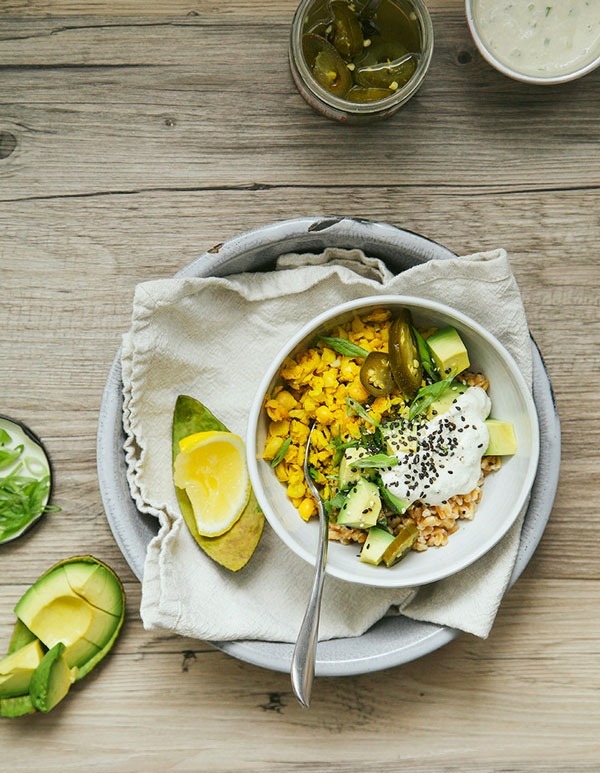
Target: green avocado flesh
[(66, 623), (52, 679), (448, 350), (17, 668), (16, 707), (503, 441), (79, 603), (235, 548)]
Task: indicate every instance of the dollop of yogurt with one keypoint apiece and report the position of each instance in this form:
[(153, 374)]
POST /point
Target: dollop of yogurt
[(447, 459)]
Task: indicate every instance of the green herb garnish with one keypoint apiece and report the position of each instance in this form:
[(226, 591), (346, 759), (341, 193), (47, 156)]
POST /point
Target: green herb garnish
[(343, 346), (10, 456), (354, 406), (425, 355), (339, 446), (22, 501), (4, 437), (375, 461), (427, 395), (279, 456)]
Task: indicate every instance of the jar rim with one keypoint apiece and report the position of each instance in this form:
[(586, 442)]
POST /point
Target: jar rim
[(396, 99)]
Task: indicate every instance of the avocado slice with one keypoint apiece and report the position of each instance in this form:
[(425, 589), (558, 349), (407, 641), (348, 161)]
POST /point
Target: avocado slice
[(503, 441), (361, 507), (448, 350), (377, 542), (235, 548), (56, 612), (21, 636), (16, 707), (51, 680), (17, 668)]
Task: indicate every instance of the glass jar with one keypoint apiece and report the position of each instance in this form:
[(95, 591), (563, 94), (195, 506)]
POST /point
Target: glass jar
[(343, 110)]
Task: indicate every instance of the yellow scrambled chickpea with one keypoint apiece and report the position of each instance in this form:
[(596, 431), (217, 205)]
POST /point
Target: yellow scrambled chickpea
[(314, 386)]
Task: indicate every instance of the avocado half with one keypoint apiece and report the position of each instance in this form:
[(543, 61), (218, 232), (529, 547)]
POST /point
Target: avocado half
[(79, 604)]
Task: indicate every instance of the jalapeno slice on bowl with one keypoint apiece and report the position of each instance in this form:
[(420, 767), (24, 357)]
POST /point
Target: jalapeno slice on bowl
[(376, 374), (406, 366)]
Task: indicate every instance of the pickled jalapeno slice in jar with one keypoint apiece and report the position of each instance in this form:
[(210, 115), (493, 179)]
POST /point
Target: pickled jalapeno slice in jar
[(327, 66), (362, 95), (347, 35), (379, 43), (387, 74)]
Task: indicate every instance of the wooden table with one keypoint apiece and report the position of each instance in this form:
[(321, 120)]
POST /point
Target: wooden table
[(134, 136)]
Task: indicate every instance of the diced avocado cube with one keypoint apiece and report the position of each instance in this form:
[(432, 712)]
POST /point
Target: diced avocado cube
[(348, 473), (377, 542), (448, 350), (362, 506), (503, 441), (398, 438), (443, 403), (401, 544), (51, 680)]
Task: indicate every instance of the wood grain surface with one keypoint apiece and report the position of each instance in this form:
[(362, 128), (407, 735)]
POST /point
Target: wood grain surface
[(136, 135)]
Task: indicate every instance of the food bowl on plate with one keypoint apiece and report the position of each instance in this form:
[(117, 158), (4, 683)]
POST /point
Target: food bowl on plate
[(504, 492), (536, 42)]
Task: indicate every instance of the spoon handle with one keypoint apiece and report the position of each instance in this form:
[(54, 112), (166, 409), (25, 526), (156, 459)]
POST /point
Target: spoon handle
[(303, 659)]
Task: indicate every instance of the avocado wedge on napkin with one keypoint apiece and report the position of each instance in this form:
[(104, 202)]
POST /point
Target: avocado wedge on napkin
[(234, 548)]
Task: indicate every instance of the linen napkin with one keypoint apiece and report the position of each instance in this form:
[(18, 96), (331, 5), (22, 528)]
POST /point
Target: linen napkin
[(213, 338)]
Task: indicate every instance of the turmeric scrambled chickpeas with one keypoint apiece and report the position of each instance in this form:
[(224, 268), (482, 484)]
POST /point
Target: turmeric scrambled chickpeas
[(315, 385)]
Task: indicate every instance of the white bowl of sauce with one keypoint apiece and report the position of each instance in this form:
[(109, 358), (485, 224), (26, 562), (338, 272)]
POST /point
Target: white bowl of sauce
[(537, 41)]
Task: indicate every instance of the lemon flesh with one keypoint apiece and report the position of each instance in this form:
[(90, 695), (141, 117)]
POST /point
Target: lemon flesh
[(211, 468)]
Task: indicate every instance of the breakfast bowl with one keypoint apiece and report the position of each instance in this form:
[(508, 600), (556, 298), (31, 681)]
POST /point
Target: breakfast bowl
[(503, 494), (536, 42)]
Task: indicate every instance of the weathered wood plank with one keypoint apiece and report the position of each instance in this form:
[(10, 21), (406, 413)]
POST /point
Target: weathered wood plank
[(524, 682), (166, 128)]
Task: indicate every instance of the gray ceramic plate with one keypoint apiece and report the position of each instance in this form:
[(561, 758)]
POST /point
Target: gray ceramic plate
[(394, 640)]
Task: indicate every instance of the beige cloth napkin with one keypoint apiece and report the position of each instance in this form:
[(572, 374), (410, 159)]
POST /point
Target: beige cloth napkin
[(212, 338)]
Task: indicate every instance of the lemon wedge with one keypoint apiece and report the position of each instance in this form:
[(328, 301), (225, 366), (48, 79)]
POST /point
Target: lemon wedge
[(211, 468)]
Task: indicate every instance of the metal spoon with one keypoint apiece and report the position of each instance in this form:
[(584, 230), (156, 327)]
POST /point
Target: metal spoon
[(303, 659)]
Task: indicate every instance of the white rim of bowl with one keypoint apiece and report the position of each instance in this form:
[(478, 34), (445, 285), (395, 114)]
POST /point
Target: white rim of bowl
[(536, 80), (387, 580)]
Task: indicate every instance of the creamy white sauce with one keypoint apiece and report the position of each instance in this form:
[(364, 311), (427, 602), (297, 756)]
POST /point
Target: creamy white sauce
[(544, 38), (448, 456)]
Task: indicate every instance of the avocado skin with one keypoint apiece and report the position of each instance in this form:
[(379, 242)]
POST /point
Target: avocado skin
[(51, 681), (236, 547)]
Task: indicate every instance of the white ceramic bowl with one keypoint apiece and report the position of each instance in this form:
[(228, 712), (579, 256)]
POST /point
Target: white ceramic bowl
[(505, 492), (568, 74)]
